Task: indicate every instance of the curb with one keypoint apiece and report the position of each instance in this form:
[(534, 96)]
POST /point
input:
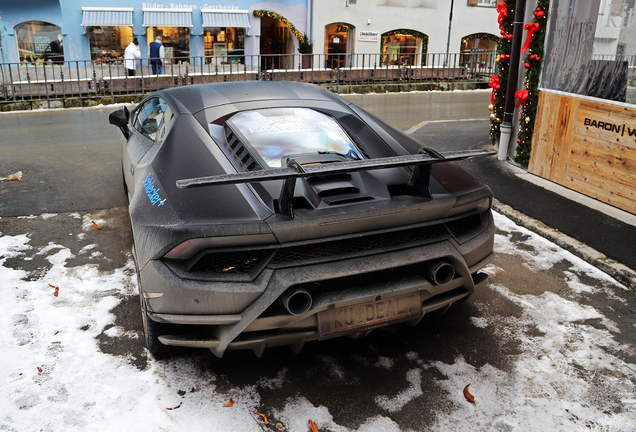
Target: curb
[(618, 271)]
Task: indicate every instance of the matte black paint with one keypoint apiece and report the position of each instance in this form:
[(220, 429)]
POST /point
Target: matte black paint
[(196, 146)]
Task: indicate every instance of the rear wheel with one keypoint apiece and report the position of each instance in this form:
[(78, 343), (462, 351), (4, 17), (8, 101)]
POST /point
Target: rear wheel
[(152, 329)]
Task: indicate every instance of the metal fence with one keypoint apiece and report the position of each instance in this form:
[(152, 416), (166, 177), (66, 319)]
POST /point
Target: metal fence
[(76, 83)]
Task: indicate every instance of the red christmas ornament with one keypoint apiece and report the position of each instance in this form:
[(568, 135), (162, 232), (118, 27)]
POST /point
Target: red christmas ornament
[(528, 66), (503, 33), (540, 14), (537, 58), (518, 141)]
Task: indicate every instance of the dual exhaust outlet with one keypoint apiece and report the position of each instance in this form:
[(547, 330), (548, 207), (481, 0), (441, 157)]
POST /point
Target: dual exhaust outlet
[(298, 301)]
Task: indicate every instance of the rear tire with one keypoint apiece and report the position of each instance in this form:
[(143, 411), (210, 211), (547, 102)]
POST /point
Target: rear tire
[(152, 329)]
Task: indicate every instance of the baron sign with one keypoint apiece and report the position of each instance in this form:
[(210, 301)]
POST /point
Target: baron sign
[(369, 36), (610, 127)]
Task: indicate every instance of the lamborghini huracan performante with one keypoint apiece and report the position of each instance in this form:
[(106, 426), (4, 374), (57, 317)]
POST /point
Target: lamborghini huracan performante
[(276, 213)]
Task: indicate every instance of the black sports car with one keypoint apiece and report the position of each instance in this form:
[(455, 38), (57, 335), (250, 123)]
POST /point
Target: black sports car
[(276, 213)]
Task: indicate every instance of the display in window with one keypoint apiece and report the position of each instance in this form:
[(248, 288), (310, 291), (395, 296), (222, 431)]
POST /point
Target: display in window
[(224, 45), (40, 42), (109, 42)]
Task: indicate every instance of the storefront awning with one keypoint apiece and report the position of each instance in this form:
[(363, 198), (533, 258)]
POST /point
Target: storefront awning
[(225, 18), (104, 16), (167, 17)]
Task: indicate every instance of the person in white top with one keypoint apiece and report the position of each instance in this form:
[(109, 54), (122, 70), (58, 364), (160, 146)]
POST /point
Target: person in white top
[(131, 55)]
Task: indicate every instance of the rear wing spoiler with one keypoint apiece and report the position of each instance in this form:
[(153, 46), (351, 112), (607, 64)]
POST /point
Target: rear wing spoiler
[(418, 184)]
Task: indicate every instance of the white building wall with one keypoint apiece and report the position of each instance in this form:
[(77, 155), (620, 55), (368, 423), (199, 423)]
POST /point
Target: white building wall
[(427, 16)]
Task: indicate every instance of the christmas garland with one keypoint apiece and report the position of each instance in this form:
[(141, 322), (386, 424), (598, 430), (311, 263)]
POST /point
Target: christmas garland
[(499, 82), (486, 36), (270, 14), (529, 97), (413, 33)]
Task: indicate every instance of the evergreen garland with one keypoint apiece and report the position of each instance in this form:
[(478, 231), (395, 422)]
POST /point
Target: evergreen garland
[(483, 36), (506, 24), (270, 14), (413, 33), (534, 60)]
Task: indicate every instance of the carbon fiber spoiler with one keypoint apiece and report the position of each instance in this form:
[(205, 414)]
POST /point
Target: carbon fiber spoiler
[(418, 183)]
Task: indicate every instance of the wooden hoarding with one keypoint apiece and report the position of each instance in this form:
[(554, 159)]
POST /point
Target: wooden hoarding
[(588, 146)]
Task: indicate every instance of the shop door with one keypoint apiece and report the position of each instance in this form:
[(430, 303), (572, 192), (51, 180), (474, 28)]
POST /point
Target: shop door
[(274, 42), (338, 43)]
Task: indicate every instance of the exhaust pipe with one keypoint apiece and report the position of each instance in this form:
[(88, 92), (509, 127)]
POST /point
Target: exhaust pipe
[(440, 272), (297, 301)]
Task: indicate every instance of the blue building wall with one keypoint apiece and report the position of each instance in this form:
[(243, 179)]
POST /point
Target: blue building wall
[(67, 14)]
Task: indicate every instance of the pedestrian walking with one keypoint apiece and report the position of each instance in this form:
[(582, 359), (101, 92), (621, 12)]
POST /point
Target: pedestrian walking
[(157, 56), (131, 55)]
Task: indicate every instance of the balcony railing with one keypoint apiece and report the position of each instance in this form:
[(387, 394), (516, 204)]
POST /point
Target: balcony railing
[(76, 82)]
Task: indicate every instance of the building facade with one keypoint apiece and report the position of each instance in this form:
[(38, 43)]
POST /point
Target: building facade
[(404, 30), (75, 30)]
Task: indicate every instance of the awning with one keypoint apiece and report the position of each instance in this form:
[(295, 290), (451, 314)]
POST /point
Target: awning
[(225, 18), (164, 17), (104, 16)]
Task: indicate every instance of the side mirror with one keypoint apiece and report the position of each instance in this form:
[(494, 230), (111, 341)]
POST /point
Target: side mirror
[(119, 117)]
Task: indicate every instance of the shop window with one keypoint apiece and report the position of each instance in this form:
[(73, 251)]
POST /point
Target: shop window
[(403, 47), (224, 45), (176, 43), (39, 41), (479, 50), (109, 43), (338, 43)]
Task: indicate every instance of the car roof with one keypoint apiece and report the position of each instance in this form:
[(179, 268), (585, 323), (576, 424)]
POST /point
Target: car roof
[(194, 98)]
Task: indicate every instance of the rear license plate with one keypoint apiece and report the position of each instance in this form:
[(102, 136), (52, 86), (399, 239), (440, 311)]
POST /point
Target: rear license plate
[(370, 315)]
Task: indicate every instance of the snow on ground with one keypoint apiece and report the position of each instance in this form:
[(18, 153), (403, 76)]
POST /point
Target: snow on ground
[(55, 378)]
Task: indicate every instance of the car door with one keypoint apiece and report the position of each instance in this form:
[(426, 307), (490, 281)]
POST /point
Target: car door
[(151, 122)]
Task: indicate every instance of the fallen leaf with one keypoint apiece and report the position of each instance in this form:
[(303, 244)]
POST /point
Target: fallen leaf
[(95, 225), (313, 427), (15, 176), (262, 415), (39, 369), (178, 406), (57, 290), (470, 398), (229, 404), (259, 425)]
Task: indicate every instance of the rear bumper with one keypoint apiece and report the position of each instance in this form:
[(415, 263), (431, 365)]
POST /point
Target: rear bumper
[(239, 315)]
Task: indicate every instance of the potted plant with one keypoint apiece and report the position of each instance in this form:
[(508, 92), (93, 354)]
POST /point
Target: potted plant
[(306, 49)]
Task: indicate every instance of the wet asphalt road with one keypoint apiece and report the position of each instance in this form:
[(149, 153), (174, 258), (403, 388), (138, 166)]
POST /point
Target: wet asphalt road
[(70, 160)]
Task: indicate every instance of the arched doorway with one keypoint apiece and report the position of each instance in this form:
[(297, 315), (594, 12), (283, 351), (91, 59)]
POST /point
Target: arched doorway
[(404, 47), (479, 50), (338, 44), (277, 40), (39, 41)]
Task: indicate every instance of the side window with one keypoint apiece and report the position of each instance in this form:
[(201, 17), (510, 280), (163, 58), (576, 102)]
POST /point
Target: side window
[(154, 119)]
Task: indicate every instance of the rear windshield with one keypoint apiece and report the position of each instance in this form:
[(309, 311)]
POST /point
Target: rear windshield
[(277, 133)]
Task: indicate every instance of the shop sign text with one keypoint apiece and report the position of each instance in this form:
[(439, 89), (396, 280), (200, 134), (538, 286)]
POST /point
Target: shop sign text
[(153, 5), (369, 36), (610, 127), (623, 18)]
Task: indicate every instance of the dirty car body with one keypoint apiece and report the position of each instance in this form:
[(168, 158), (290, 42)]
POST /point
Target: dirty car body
[(277, 213)]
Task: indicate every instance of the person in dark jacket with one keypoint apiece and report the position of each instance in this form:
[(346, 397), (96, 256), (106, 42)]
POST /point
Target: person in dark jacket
[(157, 56)]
